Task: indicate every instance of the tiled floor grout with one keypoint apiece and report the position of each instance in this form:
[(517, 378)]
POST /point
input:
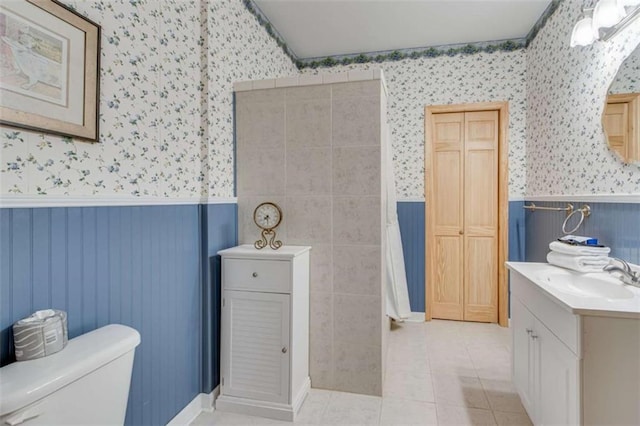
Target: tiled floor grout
[(410, 342)]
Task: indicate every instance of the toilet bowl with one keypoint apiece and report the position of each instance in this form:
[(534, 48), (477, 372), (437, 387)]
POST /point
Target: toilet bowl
[(87, 383)]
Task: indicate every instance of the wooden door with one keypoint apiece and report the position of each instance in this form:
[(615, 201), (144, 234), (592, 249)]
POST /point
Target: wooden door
[(621, 122), (464, 197), (447, 291), (616, 126), (481, 216)]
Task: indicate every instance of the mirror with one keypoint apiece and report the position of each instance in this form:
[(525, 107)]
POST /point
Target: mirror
[(621, 117)]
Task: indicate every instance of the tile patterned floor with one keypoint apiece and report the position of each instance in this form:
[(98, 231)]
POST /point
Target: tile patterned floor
[(438, 373)]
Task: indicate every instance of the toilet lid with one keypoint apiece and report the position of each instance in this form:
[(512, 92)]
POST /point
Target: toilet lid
[(22, 383)]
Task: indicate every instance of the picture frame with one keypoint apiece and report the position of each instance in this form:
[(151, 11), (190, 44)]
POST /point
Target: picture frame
[(49, 69)]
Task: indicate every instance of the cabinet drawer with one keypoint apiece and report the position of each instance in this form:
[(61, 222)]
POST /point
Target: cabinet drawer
[(257, 275), (561, 322)]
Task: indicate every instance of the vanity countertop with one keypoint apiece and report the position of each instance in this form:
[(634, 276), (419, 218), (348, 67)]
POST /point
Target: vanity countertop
[(599, 294)]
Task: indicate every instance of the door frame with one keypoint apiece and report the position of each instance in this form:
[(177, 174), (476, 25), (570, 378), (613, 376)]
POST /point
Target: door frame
[(503, 198)]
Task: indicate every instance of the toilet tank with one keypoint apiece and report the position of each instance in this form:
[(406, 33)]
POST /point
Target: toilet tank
[(87, 383)]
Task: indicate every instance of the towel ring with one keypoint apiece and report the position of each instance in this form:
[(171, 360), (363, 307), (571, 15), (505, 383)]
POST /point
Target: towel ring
[(584, 212)]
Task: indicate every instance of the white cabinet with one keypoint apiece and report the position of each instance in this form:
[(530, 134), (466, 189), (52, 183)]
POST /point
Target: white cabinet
[(265, 331), (523, 357), (545, 370), (256, 340), (556, 379), (573, 368)]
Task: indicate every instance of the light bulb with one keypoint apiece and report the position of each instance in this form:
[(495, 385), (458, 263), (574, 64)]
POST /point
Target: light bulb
[(583, 33), (608, 13)]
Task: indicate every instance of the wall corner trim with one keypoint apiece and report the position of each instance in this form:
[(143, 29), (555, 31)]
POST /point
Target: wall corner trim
[(203, 402), (35, 201)]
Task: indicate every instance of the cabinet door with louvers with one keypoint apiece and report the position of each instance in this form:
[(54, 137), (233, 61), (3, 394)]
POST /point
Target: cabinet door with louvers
[(255, 334)]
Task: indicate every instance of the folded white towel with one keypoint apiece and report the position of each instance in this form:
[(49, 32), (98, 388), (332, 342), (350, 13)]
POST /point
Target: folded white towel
[(578, 263), (565, 248)]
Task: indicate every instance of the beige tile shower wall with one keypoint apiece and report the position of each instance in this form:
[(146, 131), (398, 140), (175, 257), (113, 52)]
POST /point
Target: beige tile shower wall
[(316, 152)]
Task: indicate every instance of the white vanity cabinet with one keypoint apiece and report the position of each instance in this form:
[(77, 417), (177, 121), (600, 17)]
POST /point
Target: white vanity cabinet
[(572, 366), (545, 370), (265, 331)]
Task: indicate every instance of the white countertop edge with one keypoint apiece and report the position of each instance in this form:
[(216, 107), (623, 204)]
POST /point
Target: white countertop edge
[(560, 300), (248, 251)]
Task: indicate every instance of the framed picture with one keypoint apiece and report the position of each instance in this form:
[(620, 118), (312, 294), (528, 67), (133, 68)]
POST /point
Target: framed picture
[(49, 65)]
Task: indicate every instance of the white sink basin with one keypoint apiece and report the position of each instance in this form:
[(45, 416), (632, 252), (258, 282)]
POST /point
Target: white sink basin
[(588, 285)]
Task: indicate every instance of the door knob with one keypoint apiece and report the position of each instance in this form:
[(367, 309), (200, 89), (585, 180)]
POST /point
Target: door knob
[(284, 350)]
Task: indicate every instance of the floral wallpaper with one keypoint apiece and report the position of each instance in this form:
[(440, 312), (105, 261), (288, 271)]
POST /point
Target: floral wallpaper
[(627, 79), (166, 125), (239, 49), (566, 91), (415, 83)]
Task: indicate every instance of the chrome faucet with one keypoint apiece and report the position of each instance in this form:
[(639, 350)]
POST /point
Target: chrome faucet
[(627, 275)]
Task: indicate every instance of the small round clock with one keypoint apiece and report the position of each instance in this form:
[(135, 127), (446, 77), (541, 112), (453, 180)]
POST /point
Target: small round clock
[(267, 217)]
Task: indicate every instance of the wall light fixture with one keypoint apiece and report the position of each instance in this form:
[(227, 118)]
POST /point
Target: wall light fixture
[(604, 21)]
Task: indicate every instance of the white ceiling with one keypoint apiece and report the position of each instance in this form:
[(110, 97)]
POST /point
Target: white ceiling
[(314, 28)]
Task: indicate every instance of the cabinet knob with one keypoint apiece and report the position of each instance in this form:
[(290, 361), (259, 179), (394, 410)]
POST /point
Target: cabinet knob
[(461, 232), (529, 331), (254, 275), (284, 350), (534, 337)]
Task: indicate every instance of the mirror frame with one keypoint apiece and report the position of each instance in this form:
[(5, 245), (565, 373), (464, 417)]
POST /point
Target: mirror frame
[(633, 100)]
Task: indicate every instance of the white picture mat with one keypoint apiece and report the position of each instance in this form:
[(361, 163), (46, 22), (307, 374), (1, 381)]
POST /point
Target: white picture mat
[(74, 111)]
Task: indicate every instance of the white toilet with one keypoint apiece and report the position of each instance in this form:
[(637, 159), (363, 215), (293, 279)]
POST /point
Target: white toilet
[(87, 383)]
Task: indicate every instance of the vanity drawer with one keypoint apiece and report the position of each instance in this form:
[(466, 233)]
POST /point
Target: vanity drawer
[(272, 276), (560, 321)]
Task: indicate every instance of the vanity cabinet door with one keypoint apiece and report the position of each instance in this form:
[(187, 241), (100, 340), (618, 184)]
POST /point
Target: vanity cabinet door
[(522, 323), (558, 392), (255, 340)]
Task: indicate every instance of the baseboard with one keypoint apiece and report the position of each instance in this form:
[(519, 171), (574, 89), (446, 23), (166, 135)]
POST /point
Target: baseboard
[(203, 402), (416, 317), (271, 410)]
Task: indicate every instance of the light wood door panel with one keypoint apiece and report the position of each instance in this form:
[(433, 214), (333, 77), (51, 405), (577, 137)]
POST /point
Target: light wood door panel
[(448, 129), (448, 174), (448, 291), (464, 192), (448, 180), (480, 279), (481, 216), (481, 192), (616, 124)]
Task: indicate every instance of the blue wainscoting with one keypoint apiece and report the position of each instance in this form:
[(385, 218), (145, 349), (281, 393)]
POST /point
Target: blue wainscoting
[(616, 225), (411, 220), (219, 231), (139, 266), (411, 216), (517, 234)]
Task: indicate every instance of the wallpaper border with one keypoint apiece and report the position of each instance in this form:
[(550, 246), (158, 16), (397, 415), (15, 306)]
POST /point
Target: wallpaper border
[(542, 21), (399, 54), (262, 19)]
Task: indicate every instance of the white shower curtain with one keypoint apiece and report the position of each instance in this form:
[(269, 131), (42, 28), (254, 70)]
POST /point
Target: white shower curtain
[(398, 306)]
